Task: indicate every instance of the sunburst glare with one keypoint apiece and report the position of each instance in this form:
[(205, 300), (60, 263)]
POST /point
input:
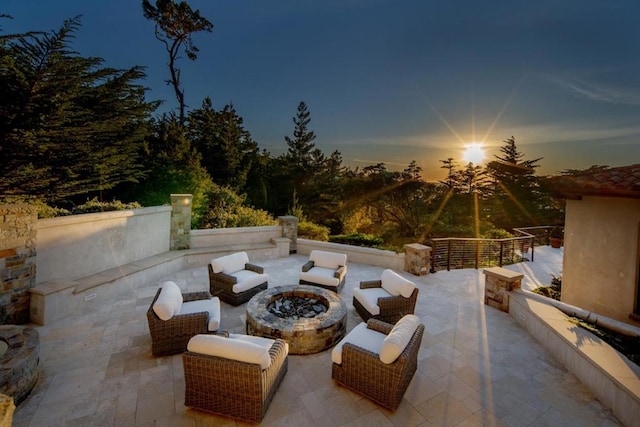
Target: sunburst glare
[(474, 153)]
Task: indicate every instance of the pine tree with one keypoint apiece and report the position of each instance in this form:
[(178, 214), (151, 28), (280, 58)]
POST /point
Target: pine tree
[(68, 125), (301, 147)]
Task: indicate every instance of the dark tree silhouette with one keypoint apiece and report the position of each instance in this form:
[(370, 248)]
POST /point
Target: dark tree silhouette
[(175, 23)]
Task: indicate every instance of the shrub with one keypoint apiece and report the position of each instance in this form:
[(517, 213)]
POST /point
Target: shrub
[(357, 239), (309, 230), (94, 205), (497, 233)]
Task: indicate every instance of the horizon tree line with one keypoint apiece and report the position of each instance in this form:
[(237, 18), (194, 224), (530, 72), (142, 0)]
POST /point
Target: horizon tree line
[(71, 128)]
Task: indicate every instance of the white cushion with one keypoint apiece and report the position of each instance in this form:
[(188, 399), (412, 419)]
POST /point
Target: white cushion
[(362, 337), (395, 284), (248, 279), (210, 306), (230, 348), (229, 264), (395, 343), (321, 275), (325, 259), (169, 302), (369, 298)]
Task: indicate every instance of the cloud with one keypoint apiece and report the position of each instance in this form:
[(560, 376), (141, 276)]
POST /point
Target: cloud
[(601, 92)]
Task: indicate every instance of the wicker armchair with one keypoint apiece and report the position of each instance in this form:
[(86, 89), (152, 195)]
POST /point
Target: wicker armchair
[(387, 299), (234, 280), (233, 388), (363, 371), (327, 270), (171, 336)]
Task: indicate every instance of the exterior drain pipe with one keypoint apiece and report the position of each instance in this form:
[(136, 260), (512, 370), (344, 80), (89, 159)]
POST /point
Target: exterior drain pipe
[(587, 316)]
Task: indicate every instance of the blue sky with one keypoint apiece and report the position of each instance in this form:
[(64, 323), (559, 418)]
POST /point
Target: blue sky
[(395, 81)]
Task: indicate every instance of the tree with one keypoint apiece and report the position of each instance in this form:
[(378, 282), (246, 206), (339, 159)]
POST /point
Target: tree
[(301, 147), (228, 151), (68, 126), (175, 23), (517, 195), (175, 166)]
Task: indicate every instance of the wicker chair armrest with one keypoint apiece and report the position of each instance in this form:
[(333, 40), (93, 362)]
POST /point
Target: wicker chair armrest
[(368, 365), (307, 266), (339, 272), (225, 278), (195, 296), (366, 284), (255, 268), (379, 326)]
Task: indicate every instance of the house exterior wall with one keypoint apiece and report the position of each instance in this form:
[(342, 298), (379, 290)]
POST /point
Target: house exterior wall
[(600, 264)]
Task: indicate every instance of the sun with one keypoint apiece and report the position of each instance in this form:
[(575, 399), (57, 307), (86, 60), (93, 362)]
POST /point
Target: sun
[(474, 153)]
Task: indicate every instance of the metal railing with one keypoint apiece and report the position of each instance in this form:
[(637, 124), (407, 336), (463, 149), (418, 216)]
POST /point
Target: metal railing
[(454, 253)]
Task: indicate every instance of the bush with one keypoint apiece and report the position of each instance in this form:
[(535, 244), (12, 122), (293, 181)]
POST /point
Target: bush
[(311, 231), (497, 233), (357, 239), (227, 209), (94, 205)]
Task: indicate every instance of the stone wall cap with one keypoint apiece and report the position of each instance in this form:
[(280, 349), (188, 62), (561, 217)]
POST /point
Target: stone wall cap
[(503, 273)]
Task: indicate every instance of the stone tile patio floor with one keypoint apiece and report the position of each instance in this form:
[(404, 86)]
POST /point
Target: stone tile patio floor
[(477, 366)]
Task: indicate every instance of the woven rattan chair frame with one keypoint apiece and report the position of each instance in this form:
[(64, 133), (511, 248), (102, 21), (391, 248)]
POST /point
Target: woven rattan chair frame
[(363, 372), (338, 275), (231, 388), (171, 336), (221, 286), (392, 308)]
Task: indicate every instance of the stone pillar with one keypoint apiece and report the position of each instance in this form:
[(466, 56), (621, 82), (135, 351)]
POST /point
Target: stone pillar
[(18, 230), (180, 221), (290, 230), (417, 258), (498, 282)]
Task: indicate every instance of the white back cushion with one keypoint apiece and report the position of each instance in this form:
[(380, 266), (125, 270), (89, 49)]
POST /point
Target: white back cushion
[(362, 337), (230, 348), (328, 259), (394, 344), (169, 302), (395, 284), (229, 264)]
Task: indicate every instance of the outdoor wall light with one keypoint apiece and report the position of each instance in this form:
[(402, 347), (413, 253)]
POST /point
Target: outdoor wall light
[(185, 201)]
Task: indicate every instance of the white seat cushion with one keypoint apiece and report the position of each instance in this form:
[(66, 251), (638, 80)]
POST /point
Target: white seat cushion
[(369, 298), (231, 348), (362, 337), (211, 306), (395, 284), (248, 279), (320, 275), (395, 343), (229, 264), (326, 259), (169, 302)]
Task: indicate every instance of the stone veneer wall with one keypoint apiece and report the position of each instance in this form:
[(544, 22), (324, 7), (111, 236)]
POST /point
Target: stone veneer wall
[(18, 229)]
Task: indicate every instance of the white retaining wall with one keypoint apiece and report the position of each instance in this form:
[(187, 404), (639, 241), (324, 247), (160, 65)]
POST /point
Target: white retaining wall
[(77, 246)]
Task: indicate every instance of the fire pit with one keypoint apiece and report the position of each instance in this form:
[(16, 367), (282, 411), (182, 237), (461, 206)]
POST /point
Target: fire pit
[(309, 318)]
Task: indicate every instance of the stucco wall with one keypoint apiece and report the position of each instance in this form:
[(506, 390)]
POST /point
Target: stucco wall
[(600, 266), (80, 245)]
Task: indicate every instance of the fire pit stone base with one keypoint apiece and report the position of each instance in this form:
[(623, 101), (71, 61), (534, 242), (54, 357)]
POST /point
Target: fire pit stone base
[(304, 335)]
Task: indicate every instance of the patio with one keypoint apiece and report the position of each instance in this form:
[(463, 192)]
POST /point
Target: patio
[(477, 366)]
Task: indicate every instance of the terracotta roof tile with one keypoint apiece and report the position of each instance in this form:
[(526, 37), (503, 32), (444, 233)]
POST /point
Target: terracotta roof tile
[(621, 181)]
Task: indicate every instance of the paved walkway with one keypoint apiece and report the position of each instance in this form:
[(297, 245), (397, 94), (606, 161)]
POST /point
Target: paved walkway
[(477, 366)]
